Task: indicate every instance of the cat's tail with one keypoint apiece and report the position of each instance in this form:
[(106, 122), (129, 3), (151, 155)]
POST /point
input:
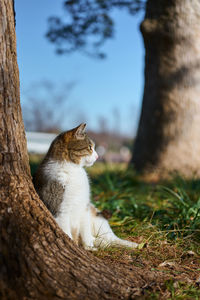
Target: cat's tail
[(105, 237), (123, 243)]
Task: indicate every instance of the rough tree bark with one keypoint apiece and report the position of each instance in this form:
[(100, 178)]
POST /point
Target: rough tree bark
[(168, 137), (37, 260)]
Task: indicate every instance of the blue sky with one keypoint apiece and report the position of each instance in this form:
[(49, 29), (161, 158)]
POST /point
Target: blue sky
[(115, 83)]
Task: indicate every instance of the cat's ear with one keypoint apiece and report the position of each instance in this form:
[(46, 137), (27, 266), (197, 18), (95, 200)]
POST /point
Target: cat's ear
[(79, 131)]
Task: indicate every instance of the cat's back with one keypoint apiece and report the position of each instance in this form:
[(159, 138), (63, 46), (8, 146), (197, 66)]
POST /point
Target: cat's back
[(49, 188)]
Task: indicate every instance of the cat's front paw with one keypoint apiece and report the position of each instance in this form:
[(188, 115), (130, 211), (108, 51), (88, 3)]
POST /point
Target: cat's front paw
[(89, 244)]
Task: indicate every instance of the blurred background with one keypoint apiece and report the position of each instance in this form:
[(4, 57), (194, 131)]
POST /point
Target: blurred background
[(58, 92), (137, 89)]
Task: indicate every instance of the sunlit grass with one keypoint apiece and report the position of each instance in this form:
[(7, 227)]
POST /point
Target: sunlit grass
[(172, 207)]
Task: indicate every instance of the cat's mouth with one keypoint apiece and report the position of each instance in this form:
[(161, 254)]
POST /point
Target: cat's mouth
[(90, 163)]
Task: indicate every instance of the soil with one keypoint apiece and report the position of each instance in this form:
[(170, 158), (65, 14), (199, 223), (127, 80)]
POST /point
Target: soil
[(150, 273)]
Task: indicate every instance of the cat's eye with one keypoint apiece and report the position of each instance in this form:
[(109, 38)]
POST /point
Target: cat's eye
[(90, 147)]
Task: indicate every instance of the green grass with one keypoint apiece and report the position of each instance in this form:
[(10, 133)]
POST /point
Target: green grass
[(163, 218), (172, 208)]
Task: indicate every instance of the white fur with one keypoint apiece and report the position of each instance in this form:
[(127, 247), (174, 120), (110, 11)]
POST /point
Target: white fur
[(105, 237), (75, 217)]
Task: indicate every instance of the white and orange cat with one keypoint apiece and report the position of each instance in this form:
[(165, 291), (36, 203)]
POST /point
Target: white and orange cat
[(62, 183)]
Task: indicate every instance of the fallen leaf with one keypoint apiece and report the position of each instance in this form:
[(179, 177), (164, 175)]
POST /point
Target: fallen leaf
[(167, 264)]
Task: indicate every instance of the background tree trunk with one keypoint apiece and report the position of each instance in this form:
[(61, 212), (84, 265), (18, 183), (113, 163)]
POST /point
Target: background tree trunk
[(168, 137), (37, 260)]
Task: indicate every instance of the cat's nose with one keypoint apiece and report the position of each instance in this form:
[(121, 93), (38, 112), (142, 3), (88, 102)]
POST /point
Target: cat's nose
[(96, 156)]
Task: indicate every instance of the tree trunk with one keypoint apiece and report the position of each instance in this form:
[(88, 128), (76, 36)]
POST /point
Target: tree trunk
[(37, 260), (168, 137)]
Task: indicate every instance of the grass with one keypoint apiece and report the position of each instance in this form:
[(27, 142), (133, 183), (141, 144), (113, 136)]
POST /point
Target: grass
[(163, 218), (171, 208)]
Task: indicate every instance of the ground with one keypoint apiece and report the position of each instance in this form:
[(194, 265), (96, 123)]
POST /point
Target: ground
[(164, 218)]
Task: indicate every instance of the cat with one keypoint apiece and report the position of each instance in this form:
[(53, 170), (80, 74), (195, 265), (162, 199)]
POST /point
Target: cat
[(63, 185)]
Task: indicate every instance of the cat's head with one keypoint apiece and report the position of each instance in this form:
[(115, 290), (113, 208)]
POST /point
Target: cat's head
[(74, 146)]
